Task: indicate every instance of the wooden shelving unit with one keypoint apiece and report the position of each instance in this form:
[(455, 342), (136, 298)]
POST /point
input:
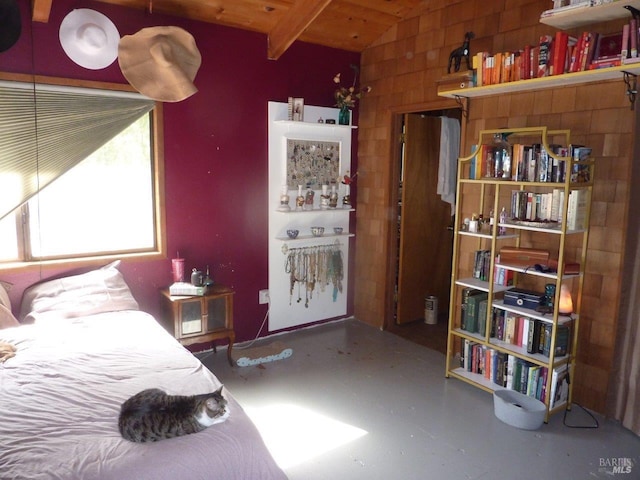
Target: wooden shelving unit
[(480, 196)]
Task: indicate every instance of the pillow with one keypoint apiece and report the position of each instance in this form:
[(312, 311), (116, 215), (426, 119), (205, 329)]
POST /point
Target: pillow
[(4, 295), (6, 318), (98, 291)]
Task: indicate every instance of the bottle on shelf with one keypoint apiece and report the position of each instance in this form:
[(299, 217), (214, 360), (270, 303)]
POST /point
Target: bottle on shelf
[(324, 197), (333, 197), (308, 199), (284, 200), (503, 219), (501, 156), (299, 199)]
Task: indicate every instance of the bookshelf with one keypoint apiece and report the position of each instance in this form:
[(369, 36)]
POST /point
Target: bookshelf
[(554, 81), (489, 345), (566, 18)]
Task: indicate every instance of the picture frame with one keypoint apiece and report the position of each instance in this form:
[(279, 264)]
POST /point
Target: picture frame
[(312, 163), (298, 109)]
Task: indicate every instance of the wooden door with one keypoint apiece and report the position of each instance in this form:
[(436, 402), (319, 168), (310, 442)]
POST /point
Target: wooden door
[(425, 246)]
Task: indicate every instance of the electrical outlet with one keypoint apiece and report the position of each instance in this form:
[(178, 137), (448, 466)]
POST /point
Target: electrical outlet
[(263, 296)]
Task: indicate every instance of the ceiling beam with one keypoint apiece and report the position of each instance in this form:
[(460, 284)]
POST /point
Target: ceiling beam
[(40, 10), (289, 28)]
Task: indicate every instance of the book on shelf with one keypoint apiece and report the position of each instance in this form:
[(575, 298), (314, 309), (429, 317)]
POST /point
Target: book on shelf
[(577, 207), (497, 323), (472, 311), (482, 263), (466, 293), (559, 386), (563, 6), (482, 316)]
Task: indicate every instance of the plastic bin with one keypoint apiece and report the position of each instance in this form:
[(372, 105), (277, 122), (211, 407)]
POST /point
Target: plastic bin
[(518, 410)]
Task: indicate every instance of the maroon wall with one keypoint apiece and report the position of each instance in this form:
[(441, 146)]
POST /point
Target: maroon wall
[(216, 148)]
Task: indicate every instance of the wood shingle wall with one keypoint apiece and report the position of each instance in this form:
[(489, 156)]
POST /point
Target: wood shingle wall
[(403, 67)]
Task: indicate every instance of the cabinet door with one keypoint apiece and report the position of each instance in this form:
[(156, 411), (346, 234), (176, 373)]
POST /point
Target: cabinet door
[(217, 313), (191, 317)]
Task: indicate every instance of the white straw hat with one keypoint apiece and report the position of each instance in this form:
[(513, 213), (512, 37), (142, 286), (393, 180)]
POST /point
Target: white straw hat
[(89, 38), (160, 62)]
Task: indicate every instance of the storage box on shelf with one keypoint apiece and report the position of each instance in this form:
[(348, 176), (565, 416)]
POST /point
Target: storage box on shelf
[(507, 325)]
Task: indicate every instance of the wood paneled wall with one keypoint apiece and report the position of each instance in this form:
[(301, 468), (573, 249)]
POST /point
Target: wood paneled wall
[(403, 67)]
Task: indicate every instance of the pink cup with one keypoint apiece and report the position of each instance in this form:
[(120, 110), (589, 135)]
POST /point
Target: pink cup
[(177, 268)]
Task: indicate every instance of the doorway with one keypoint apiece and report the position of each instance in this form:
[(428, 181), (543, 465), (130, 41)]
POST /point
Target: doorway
[(424, 234)]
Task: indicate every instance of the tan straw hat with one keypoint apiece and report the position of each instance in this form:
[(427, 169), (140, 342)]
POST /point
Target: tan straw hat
[(89, 38), (160, 62)]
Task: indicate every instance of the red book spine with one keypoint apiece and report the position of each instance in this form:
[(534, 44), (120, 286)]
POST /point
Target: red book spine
[(544, 55), (575, 55), (559, 52)]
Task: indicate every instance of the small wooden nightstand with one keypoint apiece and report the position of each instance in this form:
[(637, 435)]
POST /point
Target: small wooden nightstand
[(202, 318)]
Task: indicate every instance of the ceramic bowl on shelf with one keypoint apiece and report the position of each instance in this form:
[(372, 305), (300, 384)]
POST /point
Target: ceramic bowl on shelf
[(292, 233), (337, 230), (317, 231)]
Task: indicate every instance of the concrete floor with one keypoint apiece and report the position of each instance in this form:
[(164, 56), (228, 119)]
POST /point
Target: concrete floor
[(353, 402)]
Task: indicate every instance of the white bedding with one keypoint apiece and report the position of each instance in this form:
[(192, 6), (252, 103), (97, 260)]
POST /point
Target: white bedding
[(60, 397)]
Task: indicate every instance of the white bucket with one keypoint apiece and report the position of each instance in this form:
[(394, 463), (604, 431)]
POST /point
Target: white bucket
[(431, 310)]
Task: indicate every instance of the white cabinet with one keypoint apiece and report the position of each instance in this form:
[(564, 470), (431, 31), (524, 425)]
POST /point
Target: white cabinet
[(294, 302)]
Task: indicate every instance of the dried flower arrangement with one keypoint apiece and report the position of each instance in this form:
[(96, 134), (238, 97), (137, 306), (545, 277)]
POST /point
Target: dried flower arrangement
[(346, 96)]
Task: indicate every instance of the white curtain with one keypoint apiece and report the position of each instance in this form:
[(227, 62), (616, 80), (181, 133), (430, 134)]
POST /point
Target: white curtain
[(624, 385), (449, 153)]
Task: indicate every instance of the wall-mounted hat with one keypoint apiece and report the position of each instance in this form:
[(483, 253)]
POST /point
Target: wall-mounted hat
[(89, 38), (160, 62), (10, 24)]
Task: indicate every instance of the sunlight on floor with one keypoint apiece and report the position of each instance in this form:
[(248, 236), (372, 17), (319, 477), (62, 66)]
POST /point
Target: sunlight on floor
[(295, 434)]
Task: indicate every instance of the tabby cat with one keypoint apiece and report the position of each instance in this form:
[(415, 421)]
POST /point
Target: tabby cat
[(153, 415)]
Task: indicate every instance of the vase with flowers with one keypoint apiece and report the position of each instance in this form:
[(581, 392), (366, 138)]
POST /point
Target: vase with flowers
[(346, 97)]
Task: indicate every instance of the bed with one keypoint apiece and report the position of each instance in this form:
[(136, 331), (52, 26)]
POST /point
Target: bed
[(86, 348)]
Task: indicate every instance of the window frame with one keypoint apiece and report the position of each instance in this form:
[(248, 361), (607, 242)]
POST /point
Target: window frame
[(157, 154)]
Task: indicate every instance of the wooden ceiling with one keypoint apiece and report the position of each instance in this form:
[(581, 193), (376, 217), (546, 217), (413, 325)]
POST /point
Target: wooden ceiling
[(346, 24)]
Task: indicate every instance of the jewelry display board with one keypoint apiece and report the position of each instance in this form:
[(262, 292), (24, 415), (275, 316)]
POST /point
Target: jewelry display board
[(308, 275)]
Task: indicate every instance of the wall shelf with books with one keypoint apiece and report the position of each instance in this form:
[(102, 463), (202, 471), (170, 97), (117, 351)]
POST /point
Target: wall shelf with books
[(510, 315), (542, 83)]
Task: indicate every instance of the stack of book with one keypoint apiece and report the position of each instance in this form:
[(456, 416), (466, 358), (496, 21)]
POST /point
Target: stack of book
[(556, 54), (547, 207), (473, 310), (531, 163), (529, 333), (513, 373)]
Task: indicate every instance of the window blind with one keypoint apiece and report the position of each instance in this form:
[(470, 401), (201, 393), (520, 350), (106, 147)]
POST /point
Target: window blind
[(46, 130)]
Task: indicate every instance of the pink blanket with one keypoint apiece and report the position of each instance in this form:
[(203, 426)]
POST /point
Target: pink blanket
[(60, 397)]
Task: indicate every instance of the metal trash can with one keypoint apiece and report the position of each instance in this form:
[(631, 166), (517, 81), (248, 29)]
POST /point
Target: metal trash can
[(431, 310)]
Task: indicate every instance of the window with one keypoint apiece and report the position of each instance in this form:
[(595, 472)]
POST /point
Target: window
[(96, 179)]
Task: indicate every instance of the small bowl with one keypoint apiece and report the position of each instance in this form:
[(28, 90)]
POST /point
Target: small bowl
[(337, 230), (292, 233), (317, 231)]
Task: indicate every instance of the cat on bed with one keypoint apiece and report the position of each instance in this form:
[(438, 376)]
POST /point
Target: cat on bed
[(153, 415)]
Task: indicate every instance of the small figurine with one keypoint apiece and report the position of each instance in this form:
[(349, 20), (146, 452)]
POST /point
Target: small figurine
[(347, 180), (459, 53)]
